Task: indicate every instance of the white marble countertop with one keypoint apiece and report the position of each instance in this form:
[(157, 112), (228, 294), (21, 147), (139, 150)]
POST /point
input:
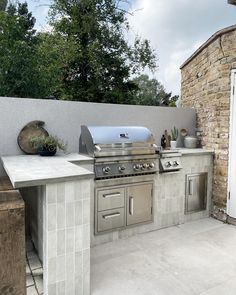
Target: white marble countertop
[(197, 151), (186, 151), (33, 170)]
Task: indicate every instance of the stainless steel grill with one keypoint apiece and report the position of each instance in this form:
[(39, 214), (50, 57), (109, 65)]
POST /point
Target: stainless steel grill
[(105, 141), (125, 164), (119, 150)]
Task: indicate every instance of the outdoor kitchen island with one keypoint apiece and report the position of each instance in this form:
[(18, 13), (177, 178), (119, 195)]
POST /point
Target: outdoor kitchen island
[(63, 191), (65, 227)]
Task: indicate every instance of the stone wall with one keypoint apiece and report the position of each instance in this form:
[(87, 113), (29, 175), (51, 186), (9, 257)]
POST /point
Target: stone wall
[(206, 87)]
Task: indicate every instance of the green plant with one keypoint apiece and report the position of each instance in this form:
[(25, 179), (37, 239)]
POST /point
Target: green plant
[(174, 133), (50, 143)]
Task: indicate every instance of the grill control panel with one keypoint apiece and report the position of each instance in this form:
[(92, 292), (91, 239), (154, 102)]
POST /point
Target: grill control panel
[(170, 164), (125, 168)]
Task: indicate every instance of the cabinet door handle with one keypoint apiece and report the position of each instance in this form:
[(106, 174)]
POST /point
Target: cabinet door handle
[(111, 195), (131, 205), (190, 187), (108, 216)]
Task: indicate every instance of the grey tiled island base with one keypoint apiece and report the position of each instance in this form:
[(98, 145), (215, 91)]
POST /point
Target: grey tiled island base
[(66, 237)]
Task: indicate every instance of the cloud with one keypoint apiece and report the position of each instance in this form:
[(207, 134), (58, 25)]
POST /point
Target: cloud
[(177, 28)]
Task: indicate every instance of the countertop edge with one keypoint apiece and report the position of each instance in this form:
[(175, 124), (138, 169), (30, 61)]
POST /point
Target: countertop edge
[(196, 152), (86, 174)]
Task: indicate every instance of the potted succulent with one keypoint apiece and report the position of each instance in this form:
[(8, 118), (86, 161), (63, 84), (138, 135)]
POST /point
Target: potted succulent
[(174, 137), (47, 145)]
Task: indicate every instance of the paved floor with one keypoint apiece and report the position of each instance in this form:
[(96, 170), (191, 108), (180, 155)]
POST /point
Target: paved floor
[(34, 271), (192, 259)]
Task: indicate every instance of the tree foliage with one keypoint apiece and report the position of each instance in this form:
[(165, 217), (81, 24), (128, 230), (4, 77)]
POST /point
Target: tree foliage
[(85, 56), (17, 47), (152, 92), (3, 5), (103, 60)]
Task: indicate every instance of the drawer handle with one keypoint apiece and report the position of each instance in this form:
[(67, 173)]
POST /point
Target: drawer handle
[(190, 187), (131, 205), (111, 195), (108, 216)]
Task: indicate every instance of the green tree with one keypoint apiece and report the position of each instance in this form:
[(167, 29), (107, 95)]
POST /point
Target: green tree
[(3, 5), (53, 54), (18, 75), (103, 60), (152, 92)]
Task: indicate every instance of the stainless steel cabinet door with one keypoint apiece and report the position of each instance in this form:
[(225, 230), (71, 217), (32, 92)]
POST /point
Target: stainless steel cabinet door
[(196, 192), (139, 203)]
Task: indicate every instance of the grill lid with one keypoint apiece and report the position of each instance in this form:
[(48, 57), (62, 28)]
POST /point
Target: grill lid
[(116, 140)]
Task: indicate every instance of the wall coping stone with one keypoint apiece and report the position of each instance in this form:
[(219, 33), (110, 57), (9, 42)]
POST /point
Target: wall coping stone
[(209, 41)]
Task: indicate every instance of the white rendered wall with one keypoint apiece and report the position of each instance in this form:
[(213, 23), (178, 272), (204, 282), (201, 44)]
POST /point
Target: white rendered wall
[(63, 118)]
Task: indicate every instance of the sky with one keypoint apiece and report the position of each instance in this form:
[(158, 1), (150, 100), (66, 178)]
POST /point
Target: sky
[(176, 28)]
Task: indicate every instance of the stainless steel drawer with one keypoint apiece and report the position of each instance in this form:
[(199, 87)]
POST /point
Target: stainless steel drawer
[(196, 192), (110, 219), (110, 199)]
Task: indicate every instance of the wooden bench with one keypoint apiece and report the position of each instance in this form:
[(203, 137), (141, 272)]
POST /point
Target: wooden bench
[(12, 243), (5, 184)]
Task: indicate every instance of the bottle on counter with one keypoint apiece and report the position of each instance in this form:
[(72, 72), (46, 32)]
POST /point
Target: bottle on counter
[(163, 141), (168, 139)]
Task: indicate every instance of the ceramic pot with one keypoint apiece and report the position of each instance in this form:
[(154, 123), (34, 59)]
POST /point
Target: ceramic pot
[(190, 142), (46, 152), (173, 144)]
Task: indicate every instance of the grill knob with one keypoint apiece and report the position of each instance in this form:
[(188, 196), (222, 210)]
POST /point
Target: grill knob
[(151, 165), (176, 163), (168, 164), (144, 166), (106, 170), (137, 167), (121, 169)]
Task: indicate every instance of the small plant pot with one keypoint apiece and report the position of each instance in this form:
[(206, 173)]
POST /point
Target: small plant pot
[(173, 144), (47, 153)]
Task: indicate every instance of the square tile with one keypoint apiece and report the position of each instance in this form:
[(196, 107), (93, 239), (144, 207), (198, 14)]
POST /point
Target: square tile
[(31, 291), (29, 280), (61, 216), (86, 211), (52, 289), (70, 214), (61, 268), (61, 242), (52, 268), (78, 264), (78, 213), (70, 240), (39, 283), (79, 238), (79, 285), (51, 193), (52, 244), (69, 191), (60, 192), (61, 288), (86, 236), (34, 262), (52, 217), (37, 272)]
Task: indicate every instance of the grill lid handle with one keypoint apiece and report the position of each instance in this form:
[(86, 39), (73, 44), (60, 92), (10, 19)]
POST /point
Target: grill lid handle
[(124, 135), (98, 148)]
